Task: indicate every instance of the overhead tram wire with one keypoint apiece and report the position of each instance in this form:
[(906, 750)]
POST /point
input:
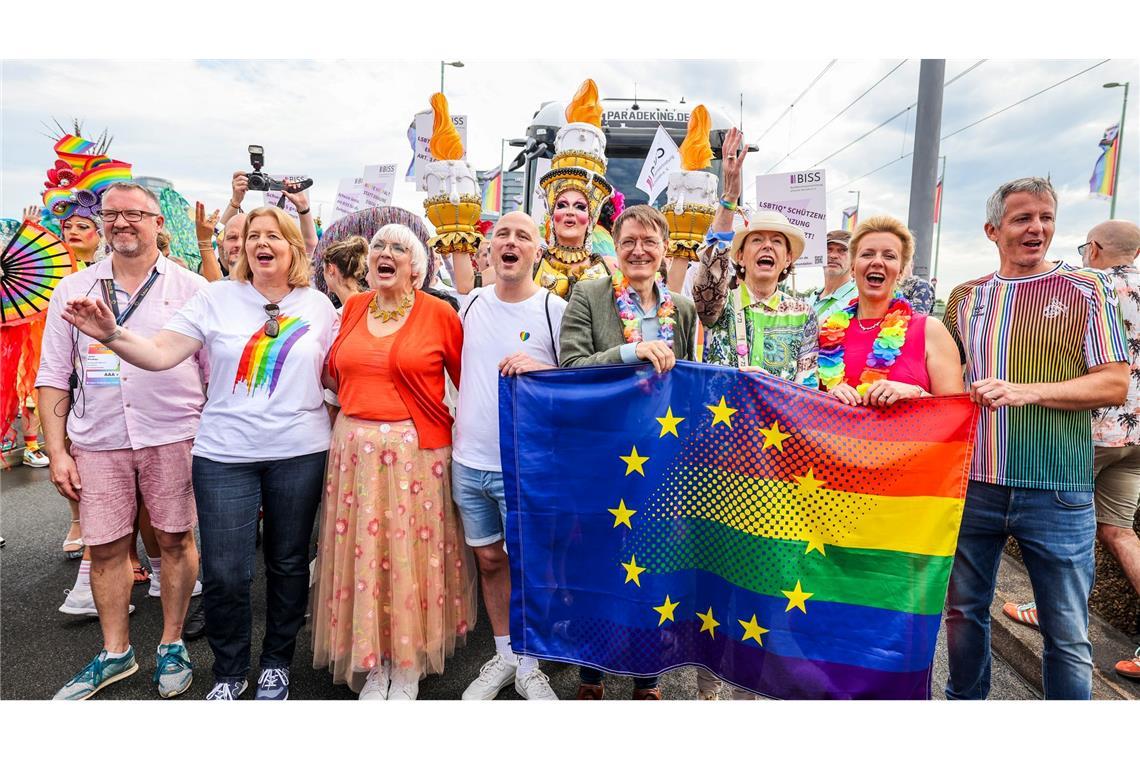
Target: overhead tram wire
[(836, 116), (792, 105), (974, 123)]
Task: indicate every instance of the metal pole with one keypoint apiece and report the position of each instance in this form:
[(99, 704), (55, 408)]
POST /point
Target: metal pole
[(1119, 148), (441, 77), (938, 235), (927, 135)]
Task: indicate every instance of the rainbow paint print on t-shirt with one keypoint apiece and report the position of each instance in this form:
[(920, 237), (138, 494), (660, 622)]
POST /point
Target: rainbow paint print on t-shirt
[(263, 357)]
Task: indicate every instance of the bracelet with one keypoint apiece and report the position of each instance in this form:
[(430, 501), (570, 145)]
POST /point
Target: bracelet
[(236, 207), (302, 212), (725, 203), (205, 244), (115, 335)]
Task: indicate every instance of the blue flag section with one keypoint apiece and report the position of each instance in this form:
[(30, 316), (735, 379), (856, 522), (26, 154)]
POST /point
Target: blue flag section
[(796, 547)]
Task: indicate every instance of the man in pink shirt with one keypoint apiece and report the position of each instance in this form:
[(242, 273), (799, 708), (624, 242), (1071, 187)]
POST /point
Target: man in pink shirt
[(114, 431)]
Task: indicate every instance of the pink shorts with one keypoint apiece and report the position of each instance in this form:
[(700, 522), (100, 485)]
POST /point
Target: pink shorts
[(113, 481)]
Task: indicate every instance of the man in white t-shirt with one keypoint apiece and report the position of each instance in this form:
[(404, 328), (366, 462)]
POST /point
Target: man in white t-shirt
[(509, 328)]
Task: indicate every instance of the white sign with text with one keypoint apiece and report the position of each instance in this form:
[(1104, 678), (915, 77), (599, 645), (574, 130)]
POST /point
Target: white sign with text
[(379, 183), (802, 198)]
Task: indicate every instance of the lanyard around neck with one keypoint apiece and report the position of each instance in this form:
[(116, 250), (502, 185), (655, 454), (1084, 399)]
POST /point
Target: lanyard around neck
[(112, 300)]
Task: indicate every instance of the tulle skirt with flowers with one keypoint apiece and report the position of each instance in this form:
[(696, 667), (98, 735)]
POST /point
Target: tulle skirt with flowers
[(395, 579)]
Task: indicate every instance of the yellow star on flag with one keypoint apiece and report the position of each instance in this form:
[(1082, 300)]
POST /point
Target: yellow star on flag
[(666, 610), (708, 623), (773, 436), (633, 462), (622, 515), (752, 630), (669, 423), (796, 598), (632, 571), (721, 412), (814, 543), (807, 483)]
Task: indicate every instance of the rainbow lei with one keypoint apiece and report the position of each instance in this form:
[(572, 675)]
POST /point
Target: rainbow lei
[(630, 322), (884, 351)]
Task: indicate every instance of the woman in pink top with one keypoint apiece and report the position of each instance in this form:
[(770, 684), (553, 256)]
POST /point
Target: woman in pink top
[(878, 350)]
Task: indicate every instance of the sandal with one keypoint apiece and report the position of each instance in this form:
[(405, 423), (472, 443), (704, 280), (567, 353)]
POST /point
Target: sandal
[(142, 575), (78, 543)]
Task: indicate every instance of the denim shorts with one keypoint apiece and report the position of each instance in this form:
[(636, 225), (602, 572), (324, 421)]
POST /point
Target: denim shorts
[(482, 503)]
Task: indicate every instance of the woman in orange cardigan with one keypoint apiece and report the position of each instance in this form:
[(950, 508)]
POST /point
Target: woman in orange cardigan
[(395, 587)]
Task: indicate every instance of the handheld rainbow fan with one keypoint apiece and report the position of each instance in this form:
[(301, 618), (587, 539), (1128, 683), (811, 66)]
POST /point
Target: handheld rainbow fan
[(33, 263)]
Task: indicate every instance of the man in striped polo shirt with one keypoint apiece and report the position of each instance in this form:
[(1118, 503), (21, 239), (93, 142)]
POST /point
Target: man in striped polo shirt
[(1043, 344)]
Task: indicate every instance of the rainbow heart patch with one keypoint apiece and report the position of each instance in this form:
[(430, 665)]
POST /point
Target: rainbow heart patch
[(523, 336)]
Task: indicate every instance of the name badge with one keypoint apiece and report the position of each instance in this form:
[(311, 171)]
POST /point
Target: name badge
[(101, 367)]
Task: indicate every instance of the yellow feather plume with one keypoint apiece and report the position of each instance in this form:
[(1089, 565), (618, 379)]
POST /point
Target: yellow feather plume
[(445, 144), (696, 152), (585, 106)]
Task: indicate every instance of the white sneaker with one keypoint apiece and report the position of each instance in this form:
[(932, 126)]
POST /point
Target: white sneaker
[(35, 458), (493, 676), (79, 601), (534, 685), (376, 684), (155, 589), (405, 686)]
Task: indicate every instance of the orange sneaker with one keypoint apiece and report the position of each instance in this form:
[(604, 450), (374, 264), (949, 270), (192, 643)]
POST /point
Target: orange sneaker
[(1025, 614), (1130, 668)]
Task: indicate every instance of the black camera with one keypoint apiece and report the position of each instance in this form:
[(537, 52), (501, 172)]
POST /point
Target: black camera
[(262, 182)]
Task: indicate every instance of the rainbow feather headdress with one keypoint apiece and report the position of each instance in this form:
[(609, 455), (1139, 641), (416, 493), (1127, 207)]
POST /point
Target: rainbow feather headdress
[(81, 173)]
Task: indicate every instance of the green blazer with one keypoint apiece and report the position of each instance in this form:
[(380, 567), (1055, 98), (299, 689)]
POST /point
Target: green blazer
[(591, 329)]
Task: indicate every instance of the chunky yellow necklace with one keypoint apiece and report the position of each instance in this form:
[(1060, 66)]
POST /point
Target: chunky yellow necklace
[(386, 315)]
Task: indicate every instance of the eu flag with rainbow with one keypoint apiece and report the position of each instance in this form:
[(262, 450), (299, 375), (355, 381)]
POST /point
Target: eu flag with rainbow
[(794, 546)]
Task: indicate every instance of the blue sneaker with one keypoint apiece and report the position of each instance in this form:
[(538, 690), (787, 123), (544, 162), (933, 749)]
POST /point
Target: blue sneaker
[(226, 689), (101, 671), (273, 683), (173, 672)]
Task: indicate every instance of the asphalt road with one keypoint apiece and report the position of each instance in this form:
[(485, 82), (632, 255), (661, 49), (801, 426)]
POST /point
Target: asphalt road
[(41, 648)]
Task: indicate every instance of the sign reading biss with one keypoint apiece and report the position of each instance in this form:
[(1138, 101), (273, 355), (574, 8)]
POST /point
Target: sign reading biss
[(802, 198)]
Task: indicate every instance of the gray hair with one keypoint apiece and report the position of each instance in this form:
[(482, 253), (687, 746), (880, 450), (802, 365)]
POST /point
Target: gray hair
[(145, 191), (398, 233), (995, 206)]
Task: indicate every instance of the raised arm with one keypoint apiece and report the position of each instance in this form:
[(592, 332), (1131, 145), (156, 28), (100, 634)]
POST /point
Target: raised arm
[(464, 271), (300, 199), (204, 229), (714, 269), (239, 185), (94, 319)]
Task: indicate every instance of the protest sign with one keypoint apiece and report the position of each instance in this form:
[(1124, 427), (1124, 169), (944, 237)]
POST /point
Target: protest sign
[(379, 183), (802, 198)]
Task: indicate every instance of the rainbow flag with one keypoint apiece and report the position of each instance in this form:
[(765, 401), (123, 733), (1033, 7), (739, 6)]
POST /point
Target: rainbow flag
[(493, 195), (850, 218), (1102, 183), (103, 175), (796, 547), (938, 201), (263, 356)]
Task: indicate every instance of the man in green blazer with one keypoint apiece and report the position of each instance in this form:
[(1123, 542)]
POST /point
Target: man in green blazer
[(630, 316)]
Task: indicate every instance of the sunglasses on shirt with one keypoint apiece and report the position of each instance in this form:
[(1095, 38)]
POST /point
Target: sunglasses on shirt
[(272, 327)]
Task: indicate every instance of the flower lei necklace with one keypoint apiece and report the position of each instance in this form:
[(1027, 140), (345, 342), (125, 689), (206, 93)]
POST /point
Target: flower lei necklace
[(884, 351), (631, 324)]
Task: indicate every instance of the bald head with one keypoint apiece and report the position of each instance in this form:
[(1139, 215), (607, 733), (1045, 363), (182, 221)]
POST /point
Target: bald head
[(514, 247), (232, 240), (1117, 239)]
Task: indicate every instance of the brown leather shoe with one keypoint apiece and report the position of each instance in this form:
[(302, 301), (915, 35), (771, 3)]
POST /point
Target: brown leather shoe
[(591, 691), (652, 694)]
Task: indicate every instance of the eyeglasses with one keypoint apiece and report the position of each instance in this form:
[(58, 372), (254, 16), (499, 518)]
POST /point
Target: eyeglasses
[(1085, 246), (131, 215), (272, 327), (649, 245)]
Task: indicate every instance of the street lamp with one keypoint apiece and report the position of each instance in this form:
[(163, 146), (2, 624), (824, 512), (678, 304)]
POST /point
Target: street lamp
[(456, 64), (1119, 146)]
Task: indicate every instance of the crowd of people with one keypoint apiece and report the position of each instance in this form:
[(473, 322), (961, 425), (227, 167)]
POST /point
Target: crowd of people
[(246, 402)]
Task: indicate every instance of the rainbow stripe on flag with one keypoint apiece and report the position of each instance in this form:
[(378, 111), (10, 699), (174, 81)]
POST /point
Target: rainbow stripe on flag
[(796, 547), (850, 219), (73, 144), (493, 195), (263, 356), (1102, 183)]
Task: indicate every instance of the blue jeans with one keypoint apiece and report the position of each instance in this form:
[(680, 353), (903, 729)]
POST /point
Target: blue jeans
[(482, 501), (1056, 531), (229, 496), (593, 677)]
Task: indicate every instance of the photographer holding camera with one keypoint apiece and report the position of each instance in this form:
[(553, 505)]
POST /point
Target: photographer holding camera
[(258, 181)]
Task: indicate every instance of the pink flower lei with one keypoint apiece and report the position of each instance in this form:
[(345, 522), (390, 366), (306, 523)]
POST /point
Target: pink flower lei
[(631, 323)]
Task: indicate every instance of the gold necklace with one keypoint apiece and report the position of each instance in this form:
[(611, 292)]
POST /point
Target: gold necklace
[(386, 315)]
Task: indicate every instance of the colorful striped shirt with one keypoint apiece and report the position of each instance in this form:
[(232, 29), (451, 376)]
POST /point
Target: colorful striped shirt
[(1047, 328), (1120, 425)]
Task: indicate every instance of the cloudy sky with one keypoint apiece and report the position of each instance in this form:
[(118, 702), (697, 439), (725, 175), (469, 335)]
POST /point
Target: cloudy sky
[(190, 121)]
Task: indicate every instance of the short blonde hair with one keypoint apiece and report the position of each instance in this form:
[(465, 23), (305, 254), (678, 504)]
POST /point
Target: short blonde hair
[(398, 233), (884, 224), (301, 268)]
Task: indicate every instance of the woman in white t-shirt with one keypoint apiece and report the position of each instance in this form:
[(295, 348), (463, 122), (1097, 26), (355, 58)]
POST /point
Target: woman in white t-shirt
[(262, 441)]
